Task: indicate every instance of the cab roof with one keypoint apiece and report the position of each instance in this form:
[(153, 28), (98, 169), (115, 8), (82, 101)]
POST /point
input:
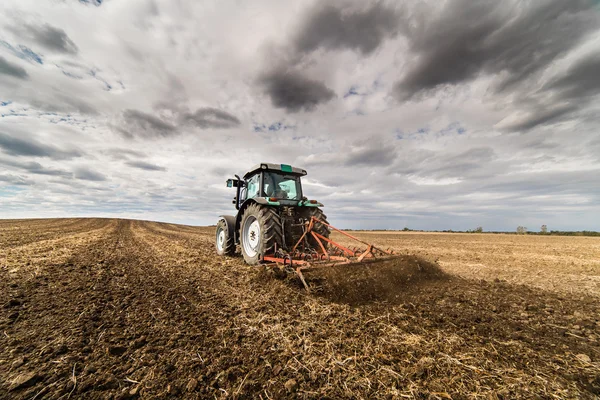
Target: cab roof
[(288, 169)]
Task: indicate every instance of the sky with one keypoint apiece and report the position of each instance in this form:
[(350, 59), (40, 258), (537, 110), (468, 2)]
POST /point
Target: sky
[(425, 114)]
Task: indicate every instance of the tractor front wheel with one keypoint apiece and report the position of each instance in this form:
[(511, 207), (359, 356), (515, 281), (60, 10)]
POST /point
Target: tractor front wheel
[(260, 232), (224, 240)]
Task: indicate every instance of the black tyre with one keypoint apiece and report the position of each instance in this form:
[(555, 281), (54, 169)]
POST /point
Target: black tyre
[(260, 232), (224, 240), (318, 228)]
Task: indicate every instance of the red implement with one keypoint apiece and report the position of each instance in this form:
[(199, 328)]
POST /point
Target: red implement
[(327, 254)]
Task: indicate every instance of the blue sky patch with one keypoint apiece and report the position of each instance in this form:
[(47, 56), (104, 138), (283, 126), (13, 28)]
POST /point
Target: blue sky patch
[(30, 54), (351, 92), (23, 52), (274, 127), (11, 190), (96, 3)]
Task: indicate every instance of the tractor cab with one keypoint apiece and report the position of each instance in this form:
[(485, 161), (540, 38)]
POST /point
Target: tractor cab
[(272, 184)]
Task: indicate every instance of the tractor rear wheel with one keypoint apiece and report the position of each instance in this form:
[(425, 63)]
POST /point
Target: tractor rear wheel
[(321, 229), (224, 240), (260, 232)]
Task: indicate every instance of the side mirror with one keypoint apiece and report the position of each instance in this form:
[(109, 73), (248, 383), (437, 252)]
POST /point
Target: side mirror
[(235, 183)]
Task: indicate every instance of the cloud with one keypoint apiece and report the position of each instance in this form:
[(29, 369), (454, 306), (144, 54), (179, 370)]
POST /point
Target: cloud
[(10, 69), (49, 37), (293, 91), (140, 124), (540, 115), (88, 175), (15, 180), (580, 80), (123, 154), (36, 168), (333, 28), (20, 147), (63, 103), (145, 166), (513, 41), (371, 153), (208, 117), (469, 163)]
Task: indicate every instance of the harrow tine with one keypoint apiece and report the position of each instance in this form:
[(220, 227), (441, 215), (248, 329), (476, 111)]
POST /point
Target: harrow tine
[(299, 273)]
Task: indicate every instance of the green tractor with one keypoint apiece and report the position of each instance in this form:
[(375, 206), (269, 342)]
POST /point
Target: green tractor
[(272, 218)]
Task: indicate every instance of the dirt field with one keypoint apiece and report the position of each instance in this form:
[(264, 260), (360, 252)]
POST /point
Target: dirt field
[(99, 308)]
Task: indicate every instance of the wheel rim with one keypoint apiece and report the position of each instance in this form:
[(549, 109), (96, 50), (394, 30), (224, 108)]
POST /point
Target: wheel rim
[(220, 239), (251, 236)]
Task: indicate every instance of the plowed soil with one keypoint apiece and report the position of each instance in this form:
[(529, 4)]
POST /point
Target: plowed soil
[(104, 308)]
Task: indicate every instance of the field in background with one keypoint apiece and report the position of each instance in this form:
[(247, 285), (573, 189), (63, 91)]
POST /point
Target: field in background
[(109, 308), (569, 264)]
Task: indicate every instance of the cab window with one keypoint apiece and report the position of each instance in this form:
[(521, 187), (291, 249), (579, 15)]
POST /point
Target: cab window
[(253, 185), (282, 186)]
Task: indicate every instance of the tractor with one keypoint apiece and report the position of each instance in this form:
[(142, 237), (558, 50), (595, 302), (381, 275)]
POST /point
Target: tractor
[(277, 224)]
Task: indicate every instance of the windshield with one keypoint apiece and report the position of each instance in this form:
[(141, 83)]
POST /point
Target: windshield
[(282, 186)]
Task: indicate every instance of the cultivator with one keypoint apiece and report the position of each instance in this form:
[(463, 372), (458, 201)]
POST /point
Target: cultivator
[(303, 257)]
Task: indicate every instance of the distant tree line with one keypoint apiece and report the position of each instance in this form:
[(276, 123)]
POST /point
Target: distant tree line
[(521, 230)]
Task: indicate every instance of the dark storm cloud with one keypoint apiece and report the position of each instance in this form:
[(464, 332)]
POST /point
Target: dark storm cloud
[(293, 91), (51, 38), (137, 123), (10, 69), (36, 168), (333, 28), (513, 41), (88, 175), (20, 147), (209, 118), (145, 166)]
